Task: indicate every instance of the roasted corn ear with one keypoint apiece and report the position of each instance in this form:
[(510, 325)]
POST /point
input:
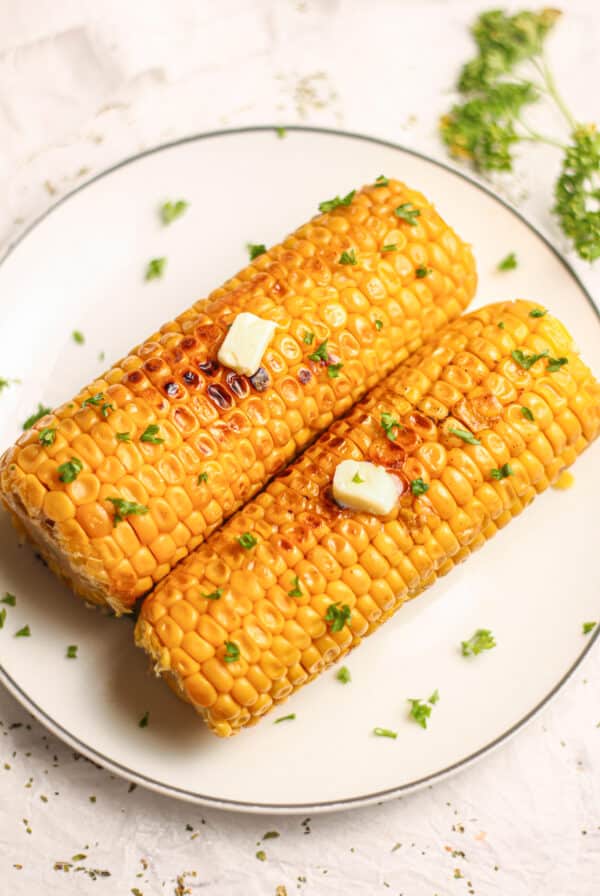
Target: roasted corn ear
[(118, 485), (473, 426)]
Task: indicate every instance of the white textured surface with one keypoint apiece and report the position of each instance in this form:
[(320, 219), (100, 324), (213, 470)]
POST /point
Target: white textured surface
[(84, 84)]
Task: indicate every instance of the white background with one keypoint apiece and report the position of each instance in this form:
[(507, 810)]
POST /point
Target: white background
[(83, 85)]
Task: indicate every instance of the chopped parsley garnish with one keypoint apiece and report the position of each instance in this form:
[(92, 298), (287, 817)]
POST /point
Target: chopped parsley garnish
[(78, 337), (343, 675), (101, 356), (125, 508), (143, 722), (348, 257), (381, 181), (123, 436), (281, 132), (70, 470), (588, 627), (420, 273), (9, 599), (537, 312), (270, 835), (378, 325), (330, 204), (288, 718), (24, 632), (526, 361), (247, 541), (337, 616), (390, 426), (4, 383), (527, 413), (418, 487), (501, 325), (321, 354), (106, 409), (150, 435), (389, 247), (261, 855), (47, 436), (357, 478), (555, 364), (465, 435), (420, 710), (214, 595), (170, 211), (202, 477), (232, 652), (296, 590), (255, 249), (502, 472), (482, 640), (2, 617), (156, 268), (385, 732), (41, 412), (71, 653), (94, 400), (333, 370), (509, 263), (308, 338), (407, 212)]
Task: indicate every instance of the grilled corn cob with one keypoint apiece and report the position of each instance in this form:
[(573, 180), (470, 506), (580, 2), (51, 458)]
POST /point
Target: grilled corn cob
[(293, 581), (117, 486)]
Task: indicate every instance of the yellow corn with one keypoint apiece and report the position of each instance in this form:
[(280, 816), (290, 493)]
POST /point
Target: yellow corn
[(263, 631), (218, 437)]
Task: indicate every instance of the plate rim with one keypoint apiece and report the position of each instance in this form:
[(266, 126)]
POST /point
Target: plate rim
[(327, 805)]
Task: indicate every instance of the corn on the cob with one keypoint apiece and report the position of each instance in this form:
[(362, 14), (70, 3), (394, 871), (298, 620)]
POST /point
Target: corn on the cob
[(239, 626), (168, 443)]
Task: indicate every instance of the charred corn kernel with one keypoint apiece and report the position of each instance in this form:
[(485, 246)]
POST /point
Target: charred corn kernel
[(204, 419), (341, 573)]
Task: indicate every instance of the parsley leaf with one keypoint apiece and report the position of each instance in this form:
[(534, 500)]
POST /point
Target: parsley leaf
[(420, 273), (296, 590), (308, 338), (418, 487), (93, 400), (37, 415), (389, 247), (501, 325), (2, 617), (202, 477), (71, 653), (526, 361), (255, 249), (281, 132), (482, 640), (509, 263), (125, 508), (555, 364), (47, 436), (247, 541), (150, 434), (106, 409), (9, 599), (70, 470), (214, 595), (330, 204), (232, 652), (588, 627), (407, 212), (385, 732), (357, 478), (465, 435), (378, 325), (502, 472), (390, 426), (321, 353), (343, 675), (348, 257), (381, 181), (527, 414), (337, 616), (537, 312), (420, 712), (288, 718), (156, 268), (333, 370), (78, 337), (24, 632), (143, 722), (170, 211), (123, 436)]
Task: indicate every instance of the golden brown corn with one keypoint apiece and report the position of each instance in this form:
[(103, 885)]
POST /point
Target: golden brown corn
[(167, 444), (238, 627)]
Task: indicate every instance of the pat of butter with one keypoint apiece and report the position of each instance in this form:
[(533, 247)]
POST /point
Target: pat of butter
[(243, 348), (361, 485)]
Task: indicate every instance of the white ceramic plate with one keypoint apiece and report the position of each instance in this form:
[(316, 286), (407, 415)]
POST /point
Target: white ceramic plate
[(81, 267)]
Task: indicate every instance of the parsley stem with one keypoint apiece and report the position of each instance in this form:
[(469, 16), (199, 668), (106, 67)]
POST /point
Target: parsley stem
[(547, 75), (535, 137)]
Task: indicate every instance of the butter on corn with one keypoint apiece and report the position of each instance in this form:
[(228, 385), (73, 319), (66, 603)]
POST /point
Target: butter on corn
[(246, 341), (171, 429), (361, 485), (320, 577)]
